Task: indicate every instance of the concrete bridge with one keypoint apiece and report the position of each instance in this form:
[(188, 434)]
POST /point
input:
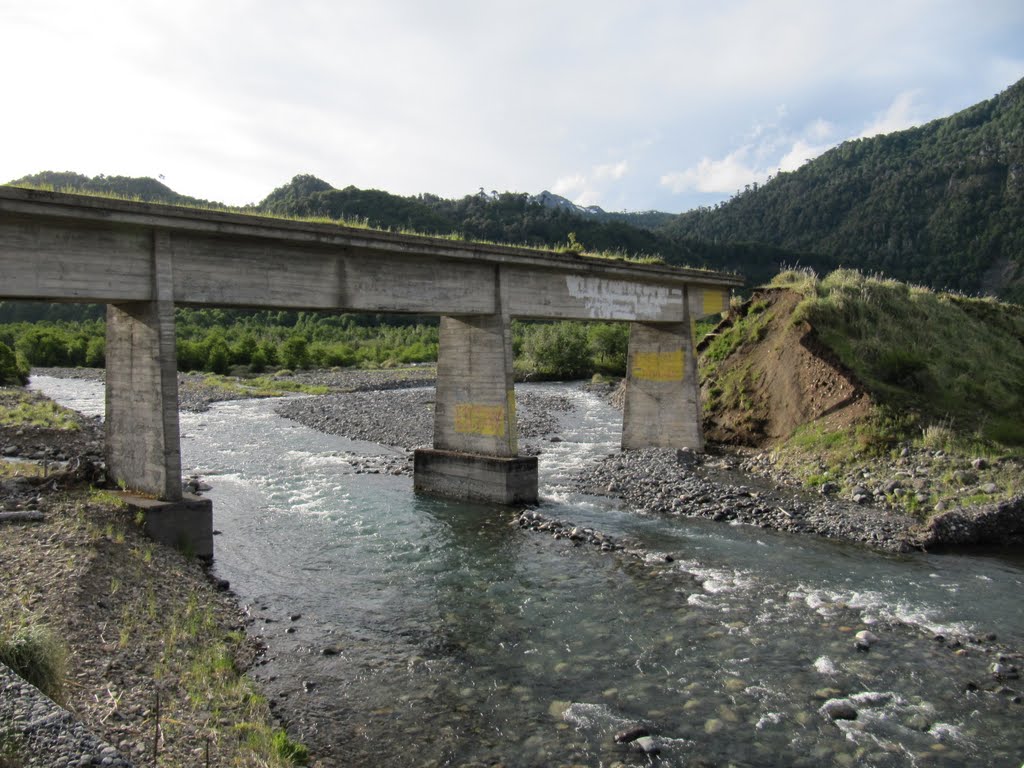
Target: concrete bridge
[(142, 260)]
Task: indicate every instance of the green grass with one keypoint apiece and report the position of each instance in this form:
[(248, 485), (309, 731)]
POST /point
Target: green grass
[(262, 386), (35, 653), (22, 410), (19, 469), (940, 356)]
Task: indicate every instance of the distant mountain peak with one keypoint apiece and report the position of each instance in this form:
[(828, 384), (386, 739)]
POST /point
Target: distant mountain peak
[(551, 200)]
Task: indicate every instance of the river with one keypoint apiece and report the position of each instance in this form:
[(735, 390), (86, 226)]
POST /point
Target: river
[(428, 632)]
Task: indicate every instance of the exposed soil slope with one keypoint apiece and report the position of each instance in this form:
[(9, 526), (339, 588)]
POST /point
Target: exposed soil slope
[(764, 375)]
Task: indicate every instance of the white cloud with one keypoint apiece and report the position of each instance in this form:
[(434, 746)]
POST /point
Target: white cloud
[(715, 176), (230, 99), (902, 113), (613, 171), (775, 148)]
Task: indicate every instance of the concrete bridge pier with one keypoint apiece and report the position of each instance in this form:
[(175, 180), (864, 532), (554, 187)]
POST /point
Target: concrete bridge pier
[(475, 447), (143, 450), (662, 406)]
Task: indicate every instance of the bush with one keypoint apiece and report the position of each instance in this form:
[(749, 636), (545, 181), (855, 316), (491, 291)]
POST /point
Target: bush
[(10, 371), (559, 350), (36, 654)]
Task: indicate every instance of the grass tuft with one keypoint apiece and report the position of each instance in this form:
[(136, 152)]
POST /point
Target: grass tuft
[(35, 653)]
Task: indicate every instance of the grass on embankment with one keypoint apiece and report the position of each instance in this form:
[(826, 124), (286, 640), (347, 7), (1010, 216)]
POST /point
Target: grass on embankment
[(22, 409), (945, 377), (135, 621), (934, 358)]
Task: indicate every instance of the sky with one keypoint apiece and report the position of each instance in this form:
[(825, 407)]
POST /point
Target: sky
[(630, 105)]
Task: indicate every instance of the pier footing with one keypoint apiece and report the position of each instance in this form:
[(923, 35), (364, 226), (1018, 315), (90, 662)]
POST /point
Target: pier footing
[(186, 524), (470, 476)]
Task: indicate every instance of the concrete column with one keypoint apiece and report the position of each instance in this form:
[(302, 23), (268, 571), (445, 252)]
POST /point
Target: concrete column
[(143, 450), (475, 445), (662, 406), (475, 407)]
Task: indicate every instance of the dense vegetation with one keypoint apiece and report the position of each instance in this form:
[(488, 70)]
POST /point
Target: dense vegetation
[(940, 205), (231, 341)]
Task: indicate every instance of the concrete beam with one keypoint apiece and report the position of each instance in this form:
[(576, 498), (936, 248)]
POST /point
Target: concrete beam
[(60, 247)]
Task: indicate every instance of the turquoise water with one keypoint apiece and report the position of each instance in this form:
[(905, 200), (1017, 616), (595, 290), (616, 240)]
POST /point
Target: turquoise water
[(455, 638)]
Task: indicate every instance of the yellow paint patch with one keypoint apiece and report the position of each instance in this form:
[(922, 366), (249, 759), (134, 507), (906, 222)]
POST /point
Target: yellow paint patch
[(659, 366), (714, 302), (472, 419)]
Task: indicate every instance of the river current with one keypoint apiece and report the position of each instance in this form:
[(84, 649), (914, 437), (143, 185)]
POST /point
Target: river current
[(428, 632)]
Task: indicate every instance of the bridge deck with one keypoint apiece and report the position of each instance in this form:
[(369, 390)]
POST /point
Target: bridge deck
[(62, 247)]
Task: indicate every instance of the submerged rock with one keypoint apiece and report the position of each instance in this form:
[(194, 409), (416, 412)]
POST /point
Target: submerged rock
[(839, 709), (631, 734)]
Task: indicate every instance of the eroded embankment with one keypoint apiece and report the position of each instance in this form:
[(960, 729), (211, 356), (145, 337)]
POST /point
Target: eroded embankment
[(765, 375)]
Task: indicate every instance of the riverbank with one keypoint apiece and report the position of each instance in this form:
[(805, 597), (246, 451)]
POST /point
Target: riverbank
[(155, 648)]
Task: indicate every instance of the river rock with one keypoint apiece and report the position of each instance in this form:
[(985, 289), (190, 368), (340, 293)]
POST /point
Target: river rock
[(1001, 671), (839, 709), (631, 734), (648, 745), (865, 639)]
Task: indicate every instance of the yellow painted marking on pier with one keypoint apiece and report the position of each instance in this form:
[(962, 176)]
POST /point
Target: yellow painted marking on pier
[(659, 366), (715, 301), (473, 419)]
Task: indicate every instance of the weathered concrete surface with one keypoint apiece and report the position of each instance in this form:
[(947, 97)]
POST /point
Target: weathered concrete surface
[(475, 407), (142, 434), (662, 406), (481, 478), (186, 524), (64, 247)]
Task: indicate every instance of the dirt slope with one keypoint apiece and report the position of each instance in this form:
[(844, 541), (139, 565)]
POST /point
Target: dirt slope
[(764, 375)]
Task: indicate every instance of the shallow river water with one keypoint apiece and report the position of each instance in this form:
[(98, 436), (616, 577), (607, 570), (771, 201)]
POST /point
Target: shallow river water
[(438, 633)]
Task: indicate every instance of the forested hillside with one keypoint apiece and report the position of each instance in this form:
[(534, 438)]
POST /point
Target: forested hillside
[(941, 205), (143, 188)]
